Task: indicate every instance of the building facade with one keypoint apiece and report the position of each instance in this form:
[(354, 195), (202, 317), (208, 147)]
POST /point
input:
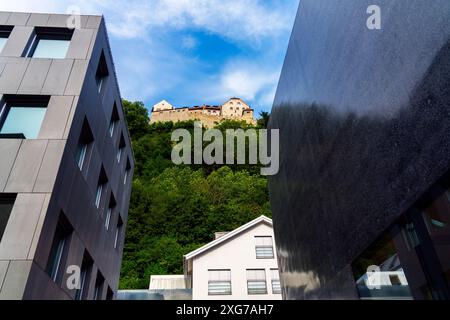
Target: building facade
[(233, 109), (364, 172), (66, 162), (238, 265)]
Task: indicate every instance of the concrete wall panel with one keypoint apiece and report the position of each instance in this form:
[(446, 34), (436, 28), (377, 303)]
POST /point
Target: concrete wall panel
[(26, 167), (16, 241), (57, 77), (56, 116), (17, 41), (34, 77), (8, 149)]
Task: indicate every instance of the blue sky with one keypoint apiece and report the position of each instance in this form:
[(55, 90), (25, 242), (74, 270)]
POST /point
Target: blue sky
[(190, 52)]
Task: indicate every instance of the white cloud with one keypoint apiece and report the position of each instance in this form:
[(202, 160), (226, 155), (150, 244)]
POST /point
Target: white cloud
[(189, 42), (249, 20)]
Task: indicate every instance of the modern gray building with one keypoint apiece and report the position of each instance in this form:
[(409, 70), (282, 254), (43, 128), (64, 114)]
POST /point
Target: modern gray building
[(66, 162), (364, 180)]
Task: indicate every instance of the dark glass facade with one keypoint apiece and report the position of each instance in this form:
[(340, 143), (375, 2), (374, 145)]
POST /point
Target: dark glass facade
[(364, 119)]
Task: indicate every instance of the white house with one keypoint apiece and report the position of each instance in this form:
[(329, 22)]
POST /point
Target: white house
[(238, 265)]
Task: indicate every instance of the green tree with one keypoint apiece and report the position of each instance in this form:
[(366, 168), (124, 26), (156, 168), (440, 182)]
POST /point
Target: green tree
[(137, 118), (263, 120)]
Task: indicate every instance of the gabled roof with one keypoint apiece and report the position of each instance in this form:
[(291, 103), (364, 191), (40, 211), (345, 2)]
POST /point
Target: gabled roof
[(229, 235)]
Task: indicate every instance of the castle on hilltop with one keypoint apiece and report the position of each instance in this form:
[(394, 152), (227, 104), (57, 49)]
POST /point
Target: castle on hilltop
[(233, 109)]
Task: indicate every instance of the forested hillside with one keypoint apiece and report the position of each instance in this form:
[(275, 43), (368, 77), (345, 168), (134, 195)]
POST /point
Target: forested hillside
[(176, 209)]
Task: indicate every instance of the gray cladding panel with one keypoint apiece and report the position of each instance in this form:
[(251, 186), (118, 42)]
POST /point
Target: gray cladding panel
[(57, 77), (80, 43), (18, 236), (26, 167), (12, 74), (35, 75), (8, 150), (17, 41), (56, 116)]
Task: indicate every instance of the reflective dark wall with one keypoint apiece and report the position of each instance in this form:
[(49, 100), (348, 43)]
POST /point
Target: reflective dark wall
[(364, 119)]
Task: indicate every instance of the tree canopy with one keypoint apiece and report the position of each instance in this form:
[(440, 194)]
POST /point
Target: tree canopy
[(176, 209)]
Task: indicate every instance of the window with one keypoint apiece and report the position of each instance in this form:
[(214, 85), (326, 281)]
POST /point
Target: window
[(84, 144), (256, 281), (219, 283), (127, 172), (6, 206), (395, 280), (102, 74), (114, 120), (118, 236), (58, 252), (85, 274), (99, 281), (112, 205), (276, 285), (5, 31), (121, 149), (264, 247), (109, 294), (21, 116), (101, 188), (50, 43)]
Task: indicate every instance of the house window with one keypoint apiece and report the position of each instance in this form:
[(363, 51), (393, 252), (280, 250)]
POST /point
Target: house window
[(256, 281), (50, 43), (219, 283), (84, 145), (101, 76), (264, 247), (85, 274), (112, 205), (109, 294), (113, 124), (121, 148), (6, 206), (5, 31), (98, 291), (127, 172), (101, 188), (276, 285), (21, 116), (118, 232), (59, 249)]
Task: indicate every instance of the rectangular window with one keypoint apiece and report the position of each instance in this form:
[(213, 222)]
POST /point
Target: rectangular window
[(5, 31), (109, 294), (127, 172), (256, 281), (98, 195), (98, 291), (84, 145), (102, 73), (264, 247), (101, 188), (276, 285), (50, 43), (58, 252), (119, 229), (109, 212), (121, 147), (85, 274), (21, 116), (113, 124), (6, 206), (219, 283)]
